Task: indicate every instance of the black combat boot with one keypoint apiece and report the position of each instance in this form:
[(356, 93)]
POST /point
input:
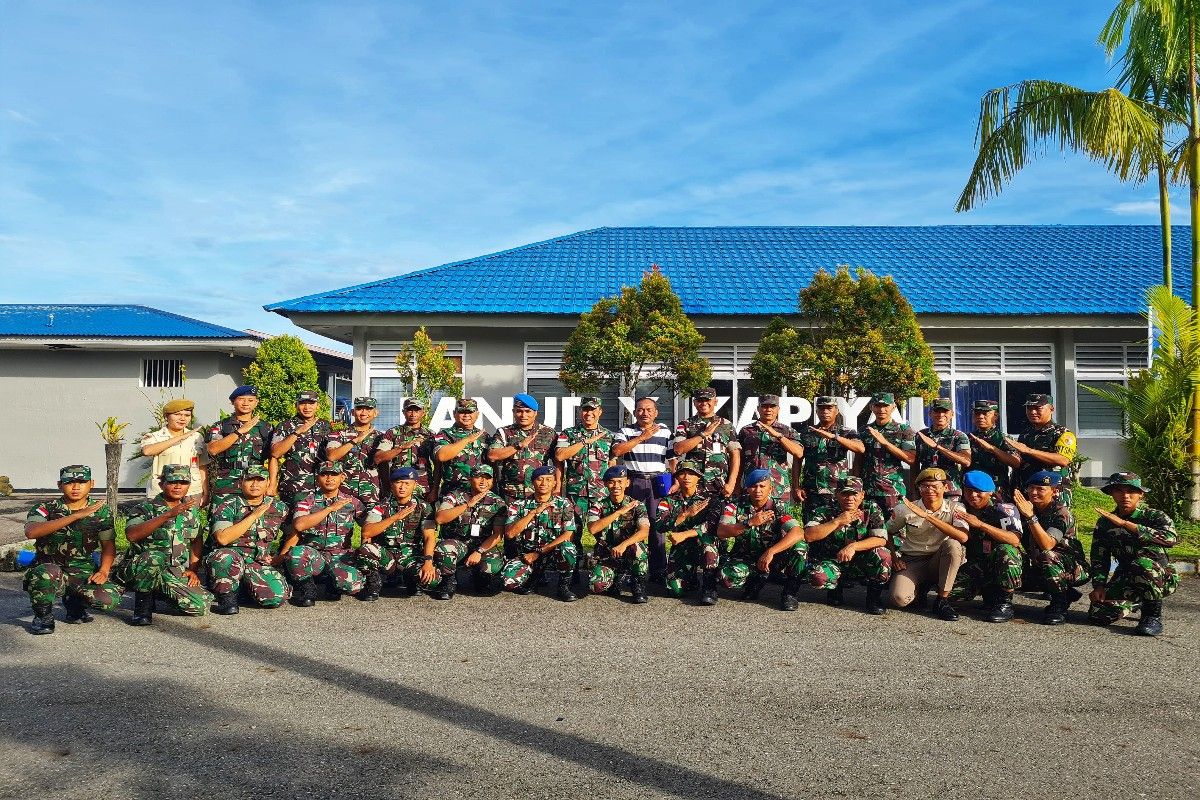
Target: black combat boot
[(447, 587), (564, 588), (76, 608), (789, 600), (227, 603), (410, 585), (1002, 611), (371, 586), (143, 609), (1055, 612), (1151, 622), (332, 592), (835, 596), (639, 591), (304, 593), (754, 585), (874, 603), (945, 609), (43, 619), (708, 588)]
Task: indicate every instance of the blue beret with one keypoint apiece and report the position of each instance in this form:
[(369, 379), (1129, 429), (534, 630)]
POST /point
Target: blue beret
[(544, 469), (243, 390), (1043, 477), (756, 476), (527, 401), (979, 480), (404, 474), (616, 472)]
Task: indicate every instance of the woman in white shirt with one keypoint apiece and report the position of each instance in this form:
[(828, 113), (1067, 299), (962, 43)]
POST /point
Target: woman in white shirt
[(176, 443)]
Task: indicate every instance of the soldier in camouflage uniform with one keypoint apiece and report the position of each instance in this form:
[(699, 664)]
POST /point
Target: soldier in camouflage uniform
[(355, 448), (400, 539), (991, 451), (621, 526), (243, 530), (542, 528), (711, 442), (891, 446), (237, 442), (1045, 445), (1053, 555), (683, 519), (298, 443), (165, 546), (943, 446), (767, 540), (1137, 537), (766, 444), (517, 450), (319, 549), (848, 543), (825, 464), (994, 559), (459, 449), (583, 453), (472, 529), (409, 445), (66, 531)]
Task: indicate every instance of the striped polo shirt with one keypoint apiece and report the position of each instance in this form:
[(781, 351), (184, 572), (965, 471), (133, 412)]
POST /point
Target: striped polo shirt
[(649, 457)]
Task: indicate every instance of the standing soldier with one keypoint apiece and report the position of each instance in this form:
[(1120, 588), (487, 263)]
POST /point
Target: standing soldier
[(297, 443), (459, 449), (710, 441), (1053, 554), (942, 446), (621, 527), (993, 565), (825, 466), (236, 443), (683, 518), (891, 446), (1137, 538), (319, 547), (409, 445), (355, 448), (991, 451), (542, 527), (768, 541), (66, 531), (399, 538), (244, 527), (849, 542), (472, 528), (766, 444), (517, 450), (165, 546), (583, 453), (1044, 445)]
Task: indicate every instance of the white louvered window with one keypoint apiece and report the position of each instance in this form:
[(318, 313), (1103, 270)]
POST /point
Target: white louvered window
[(383, 377), (1005, 373), (730, 376), (1100, 366), (162, 373)]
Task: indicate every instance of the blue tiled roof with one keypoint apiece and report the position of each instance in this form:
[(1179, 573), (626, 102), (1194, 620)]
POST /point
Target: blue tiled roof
[(106, 321), (957, 269)]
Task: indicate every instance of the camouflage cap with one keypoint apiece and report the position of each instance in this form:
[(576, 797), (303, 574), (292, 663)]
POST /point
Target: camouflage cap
[(1129, 480), (978, 480), (1043, 477), (366, 402), (1035, 400), (331, 468), (616, 471), (255, 472), (824, 401), (76, 473), (307, 397), (850, 486), (985, 405), (689, 465), (707, 393), (768, 400), (175, 473), (935, 474), (177, 405), (483, 469), (942, 404), (242, 391), (883, 399), (403, 474), (465, 405), (589, 402), (411, 403)]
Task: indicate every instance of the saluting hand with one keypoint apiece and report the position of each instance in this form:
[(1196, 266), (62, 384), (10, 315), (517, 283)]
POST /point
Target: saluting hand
[(822, 432), (876, 435), (1023, 505), (247, 426), (92, 508), (984, 443), (924, 438), (916, 509), (762, 518), (712, 427)]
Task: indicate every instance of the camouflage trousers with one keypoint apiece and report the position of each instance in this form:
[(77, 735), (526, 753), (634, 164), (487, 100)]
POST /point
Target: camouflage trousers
[(46, 581), (868, 566), (154, 571), (230, 571), (451, 553), (789, 564), (304, 561), (606, 570), (1146, 576), (402, 558), (685, 558), (516, 573), (999, 569), (1054, 570)]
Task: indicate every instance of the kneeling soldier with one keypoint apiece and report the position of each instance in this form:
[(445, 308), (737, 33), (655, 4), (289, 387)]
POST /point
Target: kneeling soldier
[(1053, 554), (993, 565), (621, 526), (1137, 538), (66, 532), (164, 548), (472, 527), (768, 541), (683, 517), (399, 538), (319, 547), (541, 527), (849, 543), (244, 528)]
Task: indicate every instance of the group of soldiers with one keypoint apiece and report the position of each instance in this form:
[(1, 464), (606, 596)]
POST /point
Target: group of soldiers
[(986, 514)]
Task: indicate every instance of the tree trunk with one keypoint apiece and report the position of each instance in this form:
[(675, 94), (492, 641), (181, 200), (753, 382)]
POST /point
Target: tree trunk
[(112, 460)]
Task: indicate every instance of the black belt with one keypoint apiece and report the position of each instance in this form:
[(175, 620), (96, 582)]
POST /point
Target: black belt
[(646, 475)]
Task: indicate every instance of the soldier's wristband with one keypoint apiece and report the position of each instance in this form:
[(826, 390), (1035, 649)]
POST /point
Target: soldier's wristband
[(427, 558), (1028, 520)]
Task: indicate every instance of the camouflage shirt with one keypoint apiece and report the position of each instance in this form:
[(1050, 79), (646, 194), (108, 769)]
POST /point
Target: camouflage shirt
[(456, 473), (252, 447), (825, 460), (754, 541), (714, 451), (872, 524), (621, 529), (1052, 438), (1058, 522), (547, 526), (362, 476), (999, 515), (475, 524), (761, 450), (986, 462), (1154, 537), (335, 532), (410, 530), (174, 537), (255, 544), (583, 472), (515, 473), (953, 440), (671, 508), (74, 544), (419, 443), (298, 466), (883, 473)]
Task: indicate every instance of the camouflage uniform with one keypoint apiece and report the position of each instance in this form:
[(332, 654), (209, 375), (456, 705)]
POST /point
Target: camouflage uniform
[(246, 562), (362, 476), (417, 456), (754, 541), (463, 535), (605, 569), (298, 466), (699, 553), (872, 566), (456, 473), (760, 450), (951, 439), (252, 448), (63, 561), (1064, 566), (713, 453), (1051, 438), (514, 474), (825, 467), (582, 472), (399, 550), (324, 551), (991, 566), (158, 562), (547, 526), (986, 462), (882, 473), (1143, 572)]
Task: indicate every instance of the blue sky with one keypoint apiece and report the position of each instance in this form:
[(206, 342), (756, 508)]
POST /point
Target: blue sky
[(210, 158)]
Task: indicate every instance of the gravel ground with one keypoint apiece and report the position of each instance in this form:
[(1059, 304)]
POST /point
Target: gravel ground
[(527, 697)]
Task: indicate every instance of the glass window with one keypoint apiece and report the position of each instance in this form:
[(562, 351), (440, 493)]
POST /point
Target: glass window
[(965, 395), (1097, 416), (1015, 393), (389, 394)]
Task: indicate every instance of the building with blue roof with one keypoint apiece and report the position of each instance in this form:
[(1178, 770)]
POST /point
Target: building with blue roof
[(1008, 310)]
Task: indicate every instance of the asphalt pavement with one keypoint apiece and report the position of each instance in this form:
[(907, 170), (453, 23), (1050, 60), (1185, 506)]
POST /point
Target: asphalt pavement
[(527, 697)]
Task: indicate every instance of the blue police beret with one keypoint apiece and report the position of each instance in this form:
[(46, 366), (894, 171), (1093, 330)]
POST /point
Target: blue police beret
[(756, 476), (544, 469), (242, 391), (404, 474), (616, 472), (978, 480), (526, 400), (1043, 477)]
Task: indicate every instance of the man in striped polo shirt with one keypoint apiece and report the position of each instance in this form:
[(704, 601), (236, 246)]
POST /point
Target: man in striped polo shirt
[(644, 449)]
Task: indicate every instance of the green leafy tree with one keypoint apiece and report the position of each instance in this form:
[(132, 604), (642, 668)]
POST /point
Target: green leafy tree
[(860, 337), (425, 371), (282, 368), (639, 341)]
